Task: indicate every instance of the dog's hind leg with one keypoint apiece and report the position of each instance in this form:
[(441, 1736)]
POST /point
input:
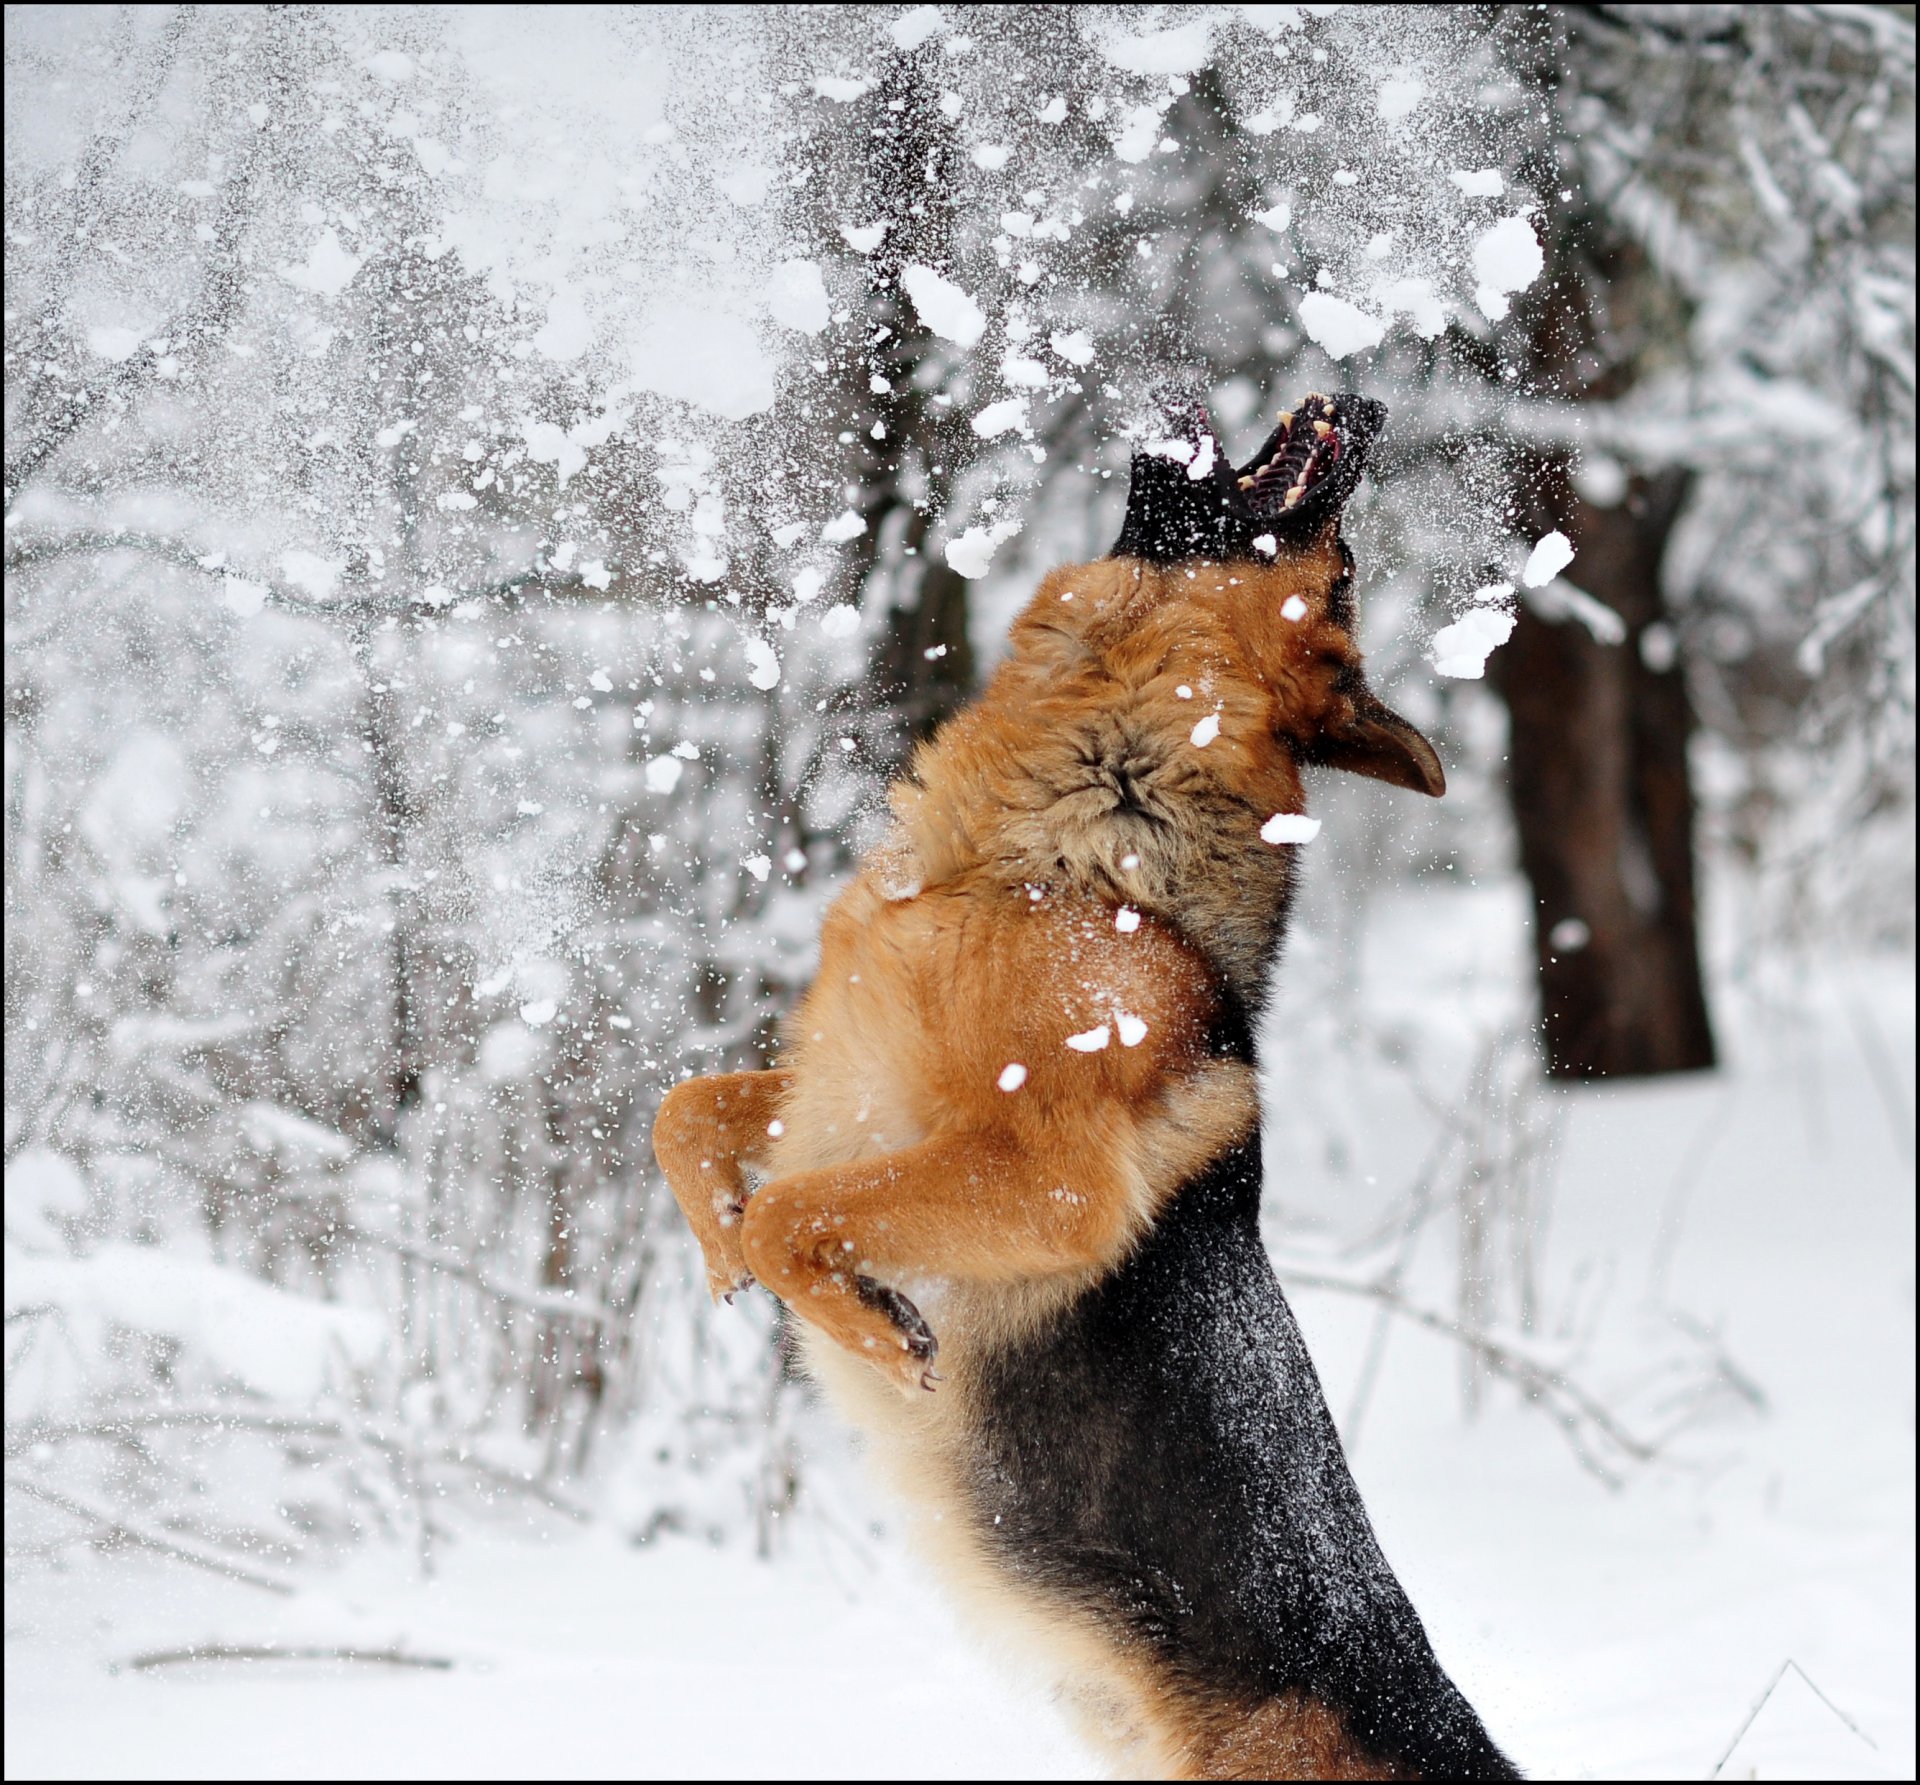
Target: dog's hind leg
[(707, 1131)]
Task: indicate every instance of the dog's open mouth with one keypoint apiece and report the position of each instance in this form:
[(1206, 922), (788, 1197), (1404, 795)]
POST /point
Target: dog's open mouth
[(1317, 446), (1186, 501)]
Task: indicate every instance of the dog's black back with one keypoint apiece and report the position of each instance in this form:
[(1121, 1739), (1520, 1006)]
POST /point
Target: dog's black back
[(1162, 1456)]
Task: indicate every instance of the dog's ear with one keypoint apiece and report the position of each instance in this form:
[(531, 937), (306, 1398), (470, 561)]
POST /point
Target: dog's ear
[(1370, 738)]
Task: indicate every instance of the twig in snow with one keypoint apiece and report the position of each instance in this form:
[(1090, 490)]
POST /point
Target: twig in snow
[(1576, 1410), (1739, 1735), (224, 1651)]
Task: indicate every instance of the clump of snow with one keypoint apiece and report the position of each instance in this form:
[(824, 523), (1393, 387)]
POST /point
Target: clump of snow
[(1133, 1029), (864, 238), (114, 344), (1090, 1041), (1415, 299), (1339, 327), (243, 596), (1492, 592), (1012, 1076), (548, 444), (747, 186), (707, 357), (1205, 731), (1551, 554), (1075, 346), (841, 89), (312, 574), (1293, 608), (1463, 648), (911, 29), (1278, 219), (1485, 183), (328, 269), (942, 306), (763, 666), (797, 297), (663, 774), (1000, 418), (840, 621), (1290, 827), (1126, 920), (972, 552), (508, 1051), (1178, 51), (1023, 373), (844, 526), (1397, 98), (1507, 258)]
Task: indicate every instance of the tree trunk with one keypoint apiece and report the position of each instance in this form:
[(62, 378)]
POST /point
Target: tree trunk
[(926, 660), (902, 447), (1602, 799)]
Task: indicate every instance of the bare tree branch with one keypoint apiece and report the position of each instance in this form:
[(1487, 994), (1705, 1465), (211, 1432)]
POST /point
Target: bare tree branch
[(109, 1528)]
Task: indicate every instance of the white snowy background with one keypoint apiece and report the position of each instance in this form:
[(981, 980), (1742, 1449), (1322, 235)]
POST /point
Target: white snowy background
[(473, 480)]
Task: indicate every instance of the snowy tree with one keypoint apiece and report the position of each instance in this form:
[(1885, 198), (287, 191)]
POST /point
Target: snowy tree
[(487, 507), (1726, 338)]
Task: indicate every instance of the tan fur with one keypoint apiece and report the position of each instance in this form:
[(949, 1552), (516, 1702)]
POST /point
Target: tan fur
[(984, 933)]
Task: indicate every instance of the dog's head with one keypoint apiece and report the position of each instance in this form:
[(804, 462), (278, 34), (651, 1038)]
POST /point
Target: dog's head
[(1187, 501), (1261, 544)]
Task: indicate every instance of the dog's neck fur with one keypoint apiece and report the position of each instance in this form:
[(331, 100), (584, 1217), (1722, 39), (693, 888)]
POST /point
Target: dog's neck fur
[(1148, 722)]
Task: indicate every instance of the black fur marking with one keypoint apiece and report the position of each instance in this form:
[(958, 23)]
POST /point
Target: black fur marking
[(1163, 1457), (1173, 516)]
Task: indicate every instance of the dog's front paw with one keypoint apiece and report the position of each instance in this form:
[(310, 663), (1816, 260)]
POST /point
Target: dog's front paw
[(914, 1346), (726, 1261)]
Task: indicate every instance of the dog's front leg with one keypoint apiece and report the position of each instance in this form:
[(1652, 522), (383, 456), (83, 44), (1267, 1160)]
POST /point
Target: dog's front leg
[(834, 1243), (707, 1131)]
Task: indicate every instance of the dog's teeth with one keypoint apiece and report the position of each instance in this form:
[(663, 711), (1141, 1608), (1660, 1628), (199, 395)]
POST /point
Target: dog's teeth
[(1294, 495), (1326, 409), (1246, 483), (1323, 428), (1286, 418)]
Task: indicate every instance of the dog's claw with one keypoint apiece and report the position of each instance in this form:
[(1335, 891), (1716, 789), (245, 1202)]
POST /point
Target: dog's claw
[(916, 1336)]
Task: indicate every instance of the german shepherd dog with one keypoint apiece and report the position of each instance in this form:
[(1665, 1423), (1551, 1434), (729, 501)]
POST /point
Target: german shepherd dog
[(1015, 1128)]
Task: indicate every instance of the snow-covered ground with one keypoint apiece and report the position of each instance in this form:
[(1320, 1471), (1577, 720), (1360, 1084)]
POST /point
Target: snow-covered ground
[(1604, 1634)]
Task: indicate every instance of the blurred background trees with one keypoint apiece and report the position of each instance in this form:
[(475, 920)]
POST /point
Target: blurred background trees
[(485, 513)]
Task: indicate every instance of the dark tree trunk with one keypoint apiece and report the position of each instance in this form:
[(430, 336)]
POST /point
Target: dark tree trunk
[(926, 660), (1602, 800), (902, 446)]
